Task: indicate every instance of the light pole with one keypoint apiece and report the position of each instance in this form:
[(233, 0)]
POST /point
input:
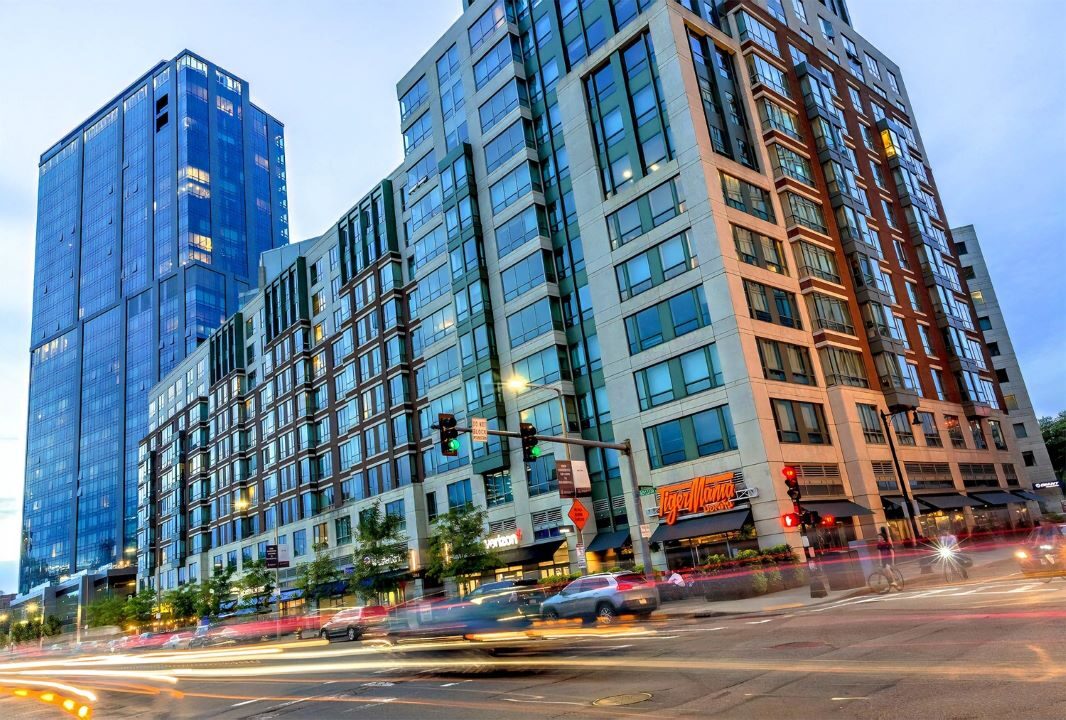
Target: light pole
[(518, 384), (909, 510)]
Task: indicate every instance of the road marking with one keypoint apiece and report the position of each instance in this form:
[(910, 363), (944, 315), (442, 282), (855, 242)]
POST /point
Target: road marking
[(759, 622), (378, 683), (849, 698), (459, 682), (1023, 588), (545, 702), (247, 702)]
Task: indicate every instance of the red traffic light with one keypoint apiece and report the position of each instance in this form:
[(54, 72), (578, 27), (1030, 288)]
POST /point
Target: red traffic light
[(789, 472), (828, 521), (790, 520)]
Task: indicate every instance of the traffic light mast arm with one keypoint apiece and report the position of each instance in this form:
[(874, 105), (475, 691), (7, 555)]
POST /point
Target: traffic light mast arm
[(625, 448)]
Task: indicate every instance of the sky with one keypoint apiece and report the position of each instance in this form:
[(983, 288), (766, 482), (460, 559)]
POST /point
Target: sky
[(988, 87)]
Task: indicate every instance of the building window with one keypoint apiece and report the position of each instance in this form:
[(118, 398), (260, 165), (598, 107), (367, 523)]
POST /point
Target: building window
[(958, 439), (343, 528), (747, 197), (1029, 458), (299, 543), (669, 319), (870, 419), (678, 377), (929, 429), (498, 489), (901, 424), (800, 422), (459, 495), (984, 323), (1020, 431), (647, 212), (978, 434), (996, 431), (757, 249), (1002, 376), (655, 266), (785, 362), (843, 367), (690, 437), (772, 305)]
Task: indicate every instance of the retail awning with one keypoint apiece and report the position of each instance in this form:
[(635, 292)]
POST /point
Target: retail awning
[(837, 508), (893, 503), (1026, 495), (996, 497), (610, 540), (539, 552), (954, 501), (287, 595), (706, 525)]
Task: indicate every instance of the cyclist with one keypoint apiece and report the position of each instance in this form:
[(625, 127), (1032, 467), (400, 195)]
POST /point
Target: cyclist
[(888, 557)]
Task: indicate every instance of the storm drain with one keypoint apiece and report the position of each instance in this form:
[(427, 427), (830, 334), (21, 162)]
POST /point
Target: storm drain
[(628, 699)]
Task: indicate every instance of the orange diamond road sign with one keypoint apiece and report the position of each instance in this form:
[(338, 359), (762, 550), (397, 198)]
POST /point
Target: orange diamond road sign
[(578, 514)]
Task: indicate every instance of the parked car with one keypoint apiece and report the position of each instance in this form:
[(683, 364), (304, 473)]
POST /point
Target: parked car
[(352, 623), (177, 641), (524, 596), (1044, 552), (604, 597)]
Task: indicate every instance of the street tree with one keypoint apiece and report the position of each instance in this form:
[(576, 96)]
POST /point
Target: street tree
[(106, 612), (458, 548), (381, 550), (255, 585), (183, 601), (140, 607), (218, 588), (1053, 430), (314, 577)]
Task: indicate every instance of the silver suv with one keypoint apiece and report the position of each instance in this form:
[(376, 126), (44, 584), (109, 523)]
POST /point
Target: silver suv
[(603, 597)]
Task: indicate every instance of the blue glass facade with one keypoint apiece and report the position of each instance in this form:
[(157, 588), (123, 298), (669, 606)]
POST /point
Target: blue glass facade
[(151, 219)]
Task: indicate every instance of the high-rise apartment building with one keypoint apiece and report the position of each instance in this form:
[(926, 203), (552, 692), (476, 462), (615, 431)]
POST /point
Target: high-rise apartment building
[(710, 228), (151, 218), (1036, 463)]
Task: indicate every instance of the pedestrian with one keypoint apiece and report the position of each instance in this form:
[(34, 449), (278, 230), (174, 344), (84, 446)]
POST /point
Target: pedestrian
[(888, 556), (678, 582)]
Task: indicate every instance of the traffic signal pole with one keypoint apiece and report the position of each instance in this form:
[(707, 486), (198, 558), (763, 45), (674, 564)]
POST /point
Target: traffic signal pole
[(633, 509)]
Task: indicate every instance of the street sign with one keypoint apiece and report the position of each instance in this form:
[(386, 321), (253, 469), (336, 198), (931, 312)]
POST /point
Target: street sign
[(564, 476), (479, 429), (578, 514), (581, 560), (277, 556), (646, 490), (573, 478), (645, 530)]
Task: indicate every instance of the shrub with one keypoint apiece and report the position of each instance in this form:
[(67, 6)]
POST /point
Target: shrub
[(758, 582)]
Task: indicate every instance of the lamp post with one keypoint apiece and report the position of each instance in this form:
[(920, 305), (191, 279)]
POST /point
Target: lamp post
[(518, 384), (909, 510)]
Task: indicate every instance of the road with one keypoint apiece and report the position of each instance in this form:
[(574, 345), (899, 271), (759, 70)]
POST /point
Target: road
[(989, 649)]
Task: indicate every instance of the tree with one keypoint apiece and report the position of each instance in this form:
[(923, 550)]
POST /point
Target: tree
[(314, 578), (1054, 431), (216, 590), (255, 585), (458, 548), (184, 601), (381, 550), (106, 612), (140, 608)]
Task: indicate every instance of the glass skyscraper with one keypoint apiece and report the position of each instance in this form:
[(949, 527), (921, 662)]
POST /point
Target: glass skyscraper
[(151, 218)]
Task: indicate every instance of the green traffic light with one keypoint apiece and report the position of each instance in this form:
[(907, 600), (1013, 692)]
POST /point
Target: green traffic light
[(453, 445), (535, 451)]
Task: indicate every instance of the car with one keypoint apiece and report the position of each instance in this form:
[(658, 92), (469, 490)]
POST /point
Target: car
[(1044, 552), (523, 596), (603, 596), (352, 623), (176, 641)]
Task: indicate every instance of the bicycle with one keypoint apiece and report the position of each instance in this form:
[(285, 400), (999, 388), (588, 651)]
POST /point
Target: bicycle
[(884, 579)]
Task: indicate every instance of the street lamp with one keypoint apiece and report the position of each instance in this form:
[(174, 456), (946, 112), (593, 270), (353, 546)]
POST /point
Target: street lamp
[(517, 384), (910, 510)]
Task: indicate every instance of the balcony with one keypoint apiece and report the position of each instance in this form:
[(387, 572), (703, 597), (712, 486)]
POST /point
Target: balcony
[(976, 409), (931, 236), (933, 276), (883, 339), (898, 396), (859, 240)]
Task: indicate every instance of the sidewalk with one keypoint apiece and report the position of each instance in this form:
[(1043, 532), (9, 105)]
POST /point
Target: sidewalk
[(986, 565)]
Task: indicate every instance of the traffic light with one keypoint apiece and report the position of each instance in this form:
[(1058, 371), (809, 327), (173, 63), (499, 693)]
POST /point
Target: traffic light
[(828, 521), (790, 520), (792, 482), (449, 436), (530, 448), (811, 518)]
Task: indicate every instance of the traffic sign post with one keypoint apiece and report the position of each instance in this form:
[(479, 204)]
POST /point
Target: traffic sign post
[(479, 429), (578, 514)]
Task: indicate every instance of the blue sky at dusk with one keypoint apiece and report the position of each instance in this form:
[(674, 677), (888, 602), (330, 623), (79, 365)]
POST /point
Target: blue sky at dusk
[(988, 85)]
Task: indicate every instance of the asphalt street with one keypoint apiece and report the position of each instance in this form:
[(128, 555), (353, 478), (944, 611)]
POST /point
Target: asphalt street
[(989, 649)]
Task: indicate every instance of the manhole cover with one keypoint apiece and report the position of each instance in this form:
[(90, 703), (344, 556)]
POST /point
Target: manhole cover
[(628, 699), (801, 644)]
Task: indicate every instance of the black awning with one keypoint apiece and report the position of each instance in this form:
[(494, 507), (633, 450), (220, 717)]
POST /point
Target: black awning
[(530, 553), (610, 540), (893, 502), (837, 508), (1026, 495), (706, 525), (954, 501), (996, 497)]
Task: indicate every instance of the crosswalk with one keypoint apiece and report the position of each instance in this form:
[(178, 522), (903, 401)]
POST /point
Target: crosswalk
[(944, 594)]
